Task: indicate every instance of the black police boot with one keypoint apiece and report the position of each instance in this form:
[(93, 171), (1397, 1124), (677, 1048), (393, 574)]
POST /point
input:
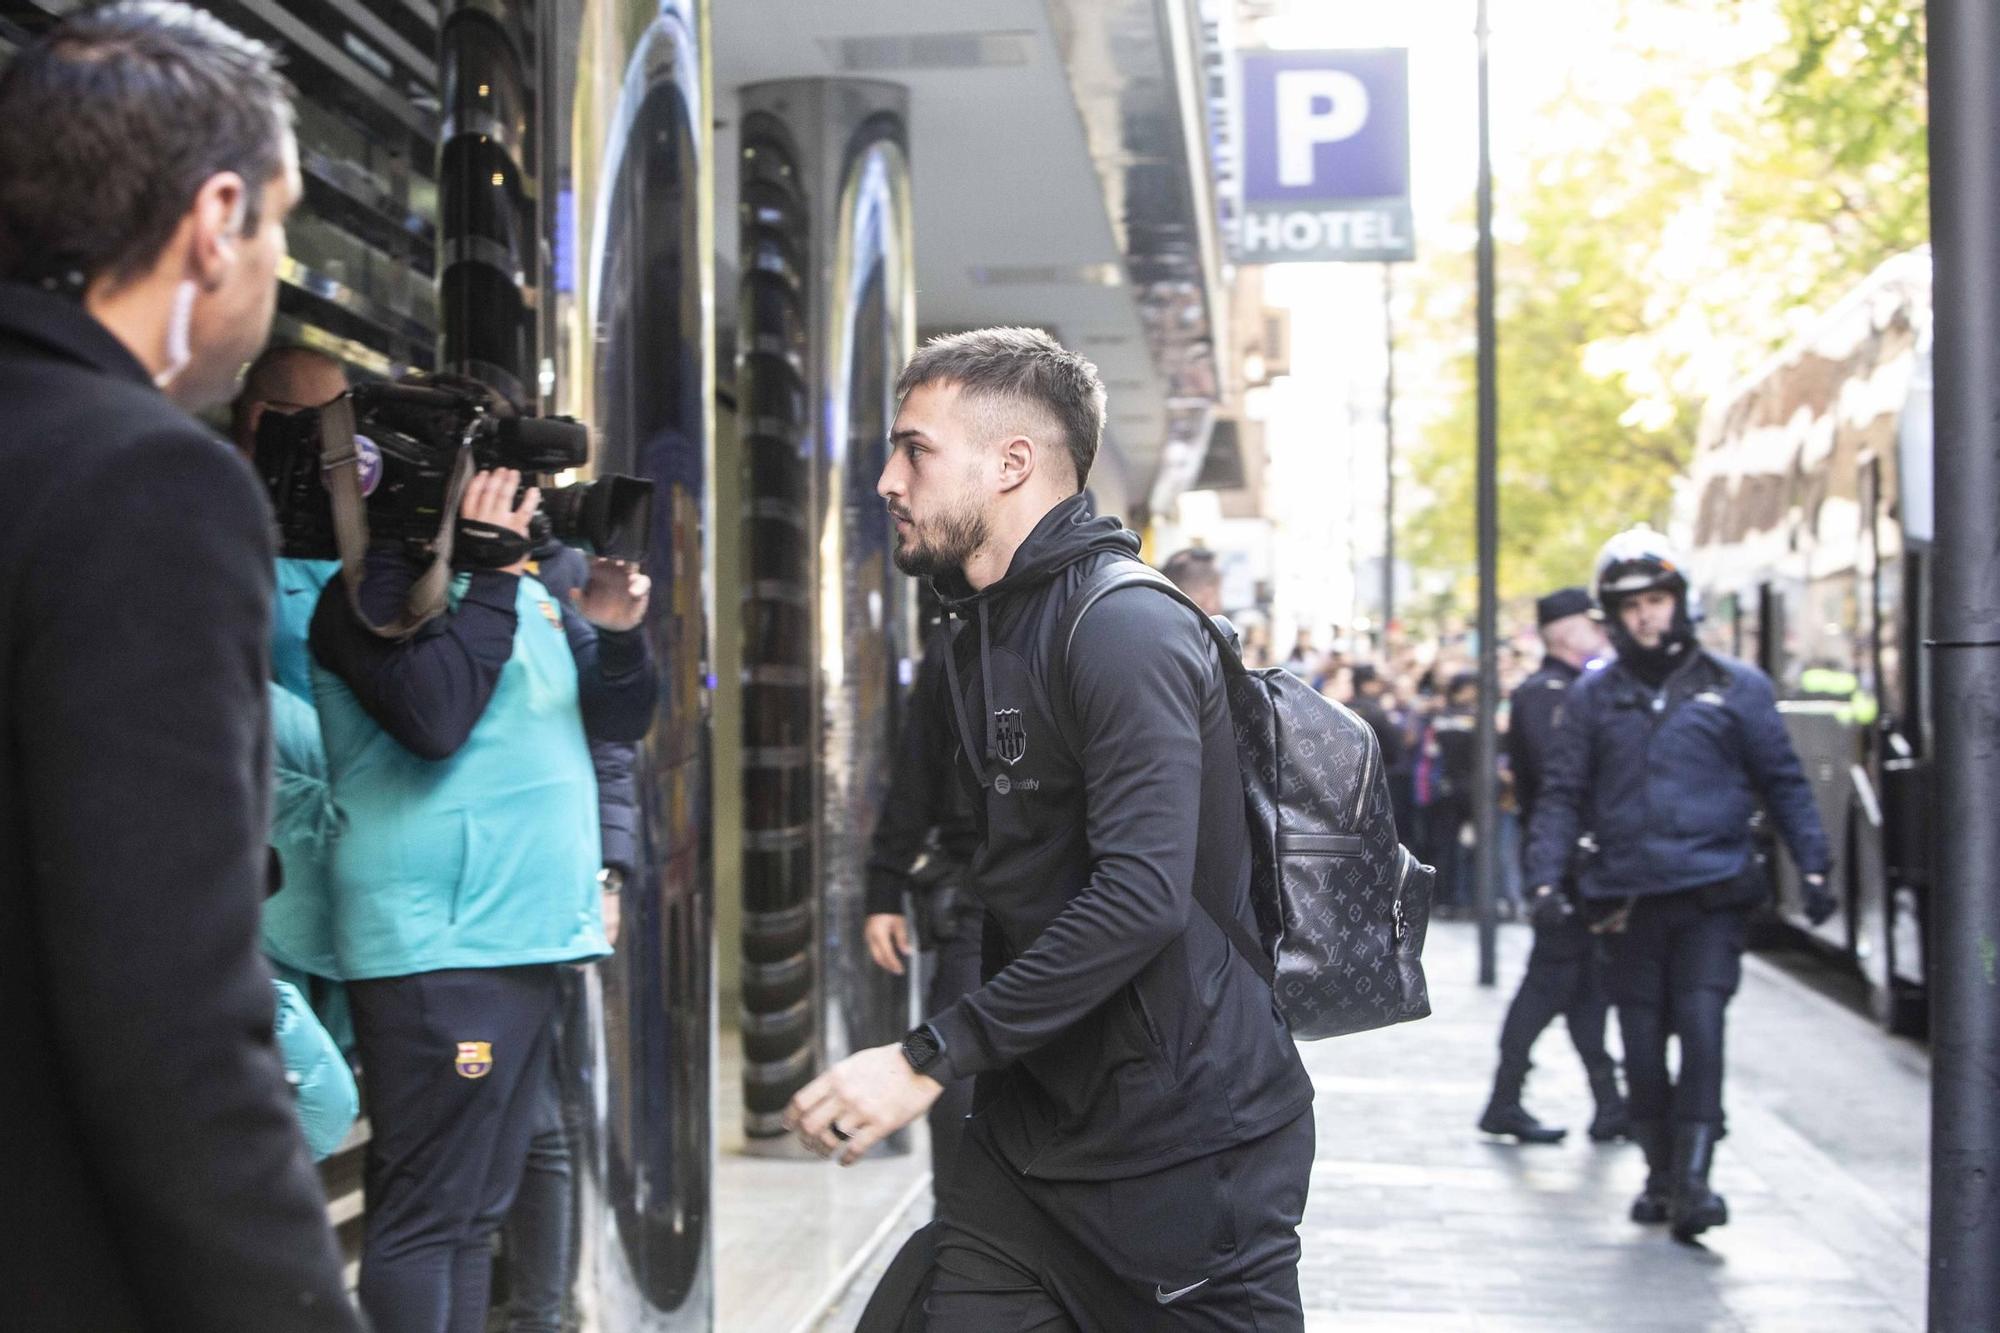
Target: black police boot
[(1611, 1121), (1656, 1200), (1695, 1207), (1505, 1114)]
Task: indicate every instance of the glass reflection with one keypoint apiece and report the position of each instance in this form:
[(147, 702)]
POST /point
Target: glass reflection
[(866, 609), (625, 200), (777, 1011)]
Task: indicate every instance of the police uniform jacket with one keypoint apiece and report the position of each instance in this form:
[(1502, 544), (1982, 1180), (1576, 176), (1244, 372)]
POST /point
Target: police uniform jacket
[(156, 1178), (1532, 711), (1667, 779)]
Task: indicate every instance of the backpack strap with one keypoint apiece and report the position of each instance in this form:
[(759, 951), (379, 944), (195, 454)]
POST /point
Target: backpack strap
[(1128, 574)]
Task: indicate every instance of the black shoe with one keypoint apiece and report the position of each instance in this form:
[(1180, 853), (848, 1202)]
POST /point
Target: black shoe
[(1651, 1206), (1655, 1202), (1695, 1207), (1612, 1120), (1512, 1118)]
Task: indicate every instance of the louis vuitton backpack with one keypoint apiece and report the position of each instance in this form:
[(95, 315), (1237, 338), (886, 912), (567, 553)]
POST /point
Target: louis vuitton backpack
[(1342, 907)]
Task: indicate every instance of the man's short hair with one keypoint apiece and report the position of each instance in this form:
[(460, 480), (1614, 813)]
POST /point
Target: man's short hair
[(270, 373), (1192, 565), (1013, 367), (110, 123)]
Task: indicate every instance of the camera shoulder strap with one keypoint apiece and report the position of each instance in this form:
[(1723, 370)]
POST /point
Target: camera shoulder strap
[(340, 461)]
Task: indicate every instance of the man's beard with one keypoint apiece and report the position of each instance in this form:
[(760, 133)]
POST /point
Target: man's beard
[(943, 546)]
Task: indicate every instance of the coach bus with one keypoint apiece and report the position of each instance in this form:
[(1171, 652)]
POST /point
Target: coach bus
[(1807, 525)]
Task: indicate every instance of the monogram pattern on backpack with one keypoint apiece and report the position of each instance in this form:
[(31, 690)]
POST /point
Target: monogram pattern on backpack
[(1342, 907), (1345, 905)]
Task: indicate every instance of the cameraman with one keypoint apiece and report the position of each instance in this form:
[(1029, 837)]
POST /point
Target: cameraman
[(465, 872), (156, 1177)]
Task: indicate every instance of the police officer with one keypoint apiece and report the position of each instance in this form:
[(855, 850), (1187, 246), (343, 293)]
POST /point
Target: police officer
[(1663, 756), (1562, 976)]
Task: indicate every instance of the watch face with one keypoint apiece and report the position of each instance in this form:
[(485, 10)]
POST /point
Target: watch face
[(920, 1048)]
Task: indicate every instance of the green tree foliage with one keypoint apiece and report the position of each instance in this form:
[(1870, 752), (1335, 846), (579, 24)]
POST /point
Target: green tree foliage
[(1839, 162), (1580, 445), (1667, 246)]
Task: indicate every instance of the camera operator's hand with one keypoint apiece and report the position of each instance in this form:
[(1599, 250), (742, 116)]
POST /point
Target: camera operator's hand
[(490, 522), (615, 597), (888, 936)]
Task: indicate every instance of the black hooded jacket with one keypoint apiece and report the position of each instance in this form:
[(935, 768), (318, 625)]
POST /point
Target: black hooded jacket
[(1124, 1031)]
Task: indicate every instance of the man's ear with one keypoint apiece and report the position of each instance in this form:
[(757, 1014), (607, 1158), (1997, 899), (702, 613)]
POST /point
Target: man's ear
[(1017, 462), (220, 206)]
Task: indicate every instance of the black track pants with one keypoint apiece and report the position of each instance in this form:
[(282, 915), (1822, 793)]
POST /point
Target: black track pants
[(1672, 972), (1209, 1244), (954, 974), (1563, 977)]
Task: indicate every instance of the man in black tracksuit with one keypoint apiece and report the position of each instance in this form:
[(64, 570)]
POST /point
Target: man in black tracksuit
[(1562, 976), (1142, 1139), (1663, 756)]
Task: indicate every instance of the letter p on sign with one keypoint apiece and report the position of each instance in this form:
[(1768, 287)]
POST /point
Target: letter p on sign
[(1315, 106)]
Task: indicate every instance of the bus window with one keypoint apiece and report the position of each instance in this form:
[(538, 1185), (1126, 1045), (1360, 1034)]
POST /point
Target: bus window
[(1721, 628), (1771, 640), (1749, 628), (1889, 619), (1830, 632)]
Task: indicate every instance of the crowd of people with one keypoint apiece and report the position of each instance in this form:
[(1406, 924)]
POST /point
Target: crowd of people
[(1422, 700)]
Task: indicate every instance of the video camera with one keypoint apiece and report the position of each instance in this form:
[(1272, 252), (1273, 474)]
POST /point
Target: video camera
[(408, 438)]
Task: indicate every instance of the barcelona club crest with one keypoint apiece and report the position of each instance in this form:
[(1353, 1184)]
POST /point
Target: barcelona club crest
[(1010, 736), (475, 1059)]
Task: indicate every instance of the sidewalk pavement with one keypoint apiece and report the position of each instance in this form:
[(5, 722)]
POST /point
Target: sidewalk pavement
[(1419, 1224)]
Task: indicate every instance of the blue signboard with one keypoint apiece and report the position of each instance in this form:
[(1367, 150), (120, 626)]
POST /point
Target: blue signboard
[(1326, 157)]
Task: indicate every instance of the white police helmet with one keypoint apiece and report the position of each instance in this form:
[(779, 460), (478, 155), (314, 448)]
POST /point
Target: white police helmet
[(1635, 560)]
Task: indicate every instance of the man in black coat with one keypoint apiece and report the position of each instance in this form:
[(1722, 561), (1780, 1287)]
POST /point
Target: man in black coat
[(156, 1175), (1562, 976)]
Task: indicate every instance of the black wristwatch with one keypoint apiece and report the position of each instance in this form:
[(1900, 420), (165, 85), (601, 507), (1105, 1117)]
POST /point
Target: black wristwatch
[(923, 1048)]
